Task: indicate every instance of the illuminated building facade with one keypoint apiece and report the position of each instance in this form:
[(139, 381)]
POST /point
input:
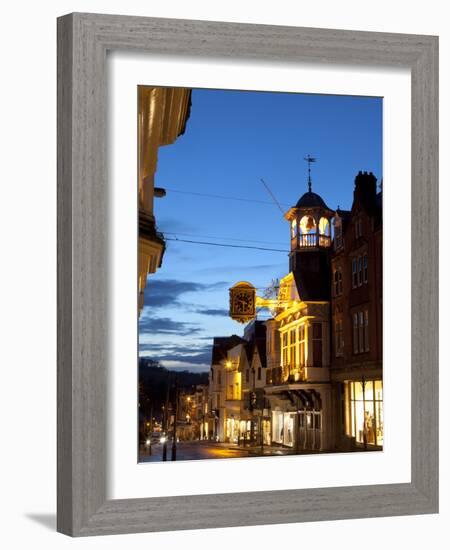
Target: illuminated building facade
[(298, 383), (356, 304), (220, 397), (313, 380), (162, 117), (192, 413)]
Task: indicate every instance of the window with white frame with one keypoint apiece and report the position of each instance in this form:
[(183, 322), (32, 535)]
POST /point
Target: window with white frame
[(360, 271), (355, 334), (317, 344), (284, 349), (292, 344), (365, 268), (358, 228), (366, 330), (337, 234), (361, 336), (337, 282), (302, 345), (361, 331), (354, 273), (339, 336)]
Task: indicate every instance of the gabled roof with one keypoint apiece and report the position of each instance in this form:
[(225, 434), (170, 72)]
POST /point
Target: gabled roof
[(221, 344), (257, 341)]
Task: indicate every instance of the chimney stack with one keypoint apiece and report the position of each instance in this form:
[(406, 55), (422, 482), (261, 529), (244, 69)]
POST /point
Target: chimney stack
[(365, 188)]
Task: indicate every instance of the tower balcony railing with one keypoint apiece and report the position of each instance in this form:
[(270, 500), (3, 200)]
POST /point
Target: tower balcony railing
[(311, 240), (324, 240), (308, 240)]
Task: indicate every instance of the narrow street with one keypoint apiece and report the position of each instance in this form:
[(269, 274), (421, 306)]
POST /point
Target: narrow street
[(197, 450)]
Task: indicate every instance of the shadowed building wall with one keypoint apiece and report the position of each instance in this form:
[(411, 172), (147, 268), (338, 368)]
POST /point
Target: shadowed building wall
[(162, 117)]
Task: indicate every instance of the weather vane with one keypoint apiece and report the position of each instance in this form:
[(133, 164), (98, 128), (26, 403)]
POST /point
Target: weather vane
[(309, 159)]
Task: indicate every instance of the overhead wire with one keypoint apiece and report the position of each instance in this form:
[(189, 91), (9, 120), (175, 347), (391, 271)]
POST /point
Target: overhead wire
[(222, 197), (218, 238), (226, 245)]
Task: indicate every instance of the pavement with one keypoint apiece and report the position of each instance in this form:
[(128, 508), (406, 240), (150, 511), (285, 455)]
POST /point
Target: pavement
[(201, 450)]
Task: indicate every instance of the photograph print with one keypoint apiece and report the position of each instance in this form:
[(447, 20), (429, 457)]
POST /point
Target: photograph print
[(260, 274)]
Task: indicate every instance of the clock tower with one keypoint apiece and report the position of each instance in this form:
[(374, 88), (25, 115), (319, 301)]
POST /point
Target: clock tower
[(310, 243)]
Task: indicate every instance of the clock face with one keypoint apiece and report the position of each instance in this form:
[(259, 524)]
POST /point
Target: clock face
[(242, 303)]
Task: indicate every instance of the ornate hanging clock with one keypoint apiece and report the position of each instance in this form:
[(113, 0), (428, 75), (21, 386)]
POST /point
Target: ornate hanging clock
[(242, 302)]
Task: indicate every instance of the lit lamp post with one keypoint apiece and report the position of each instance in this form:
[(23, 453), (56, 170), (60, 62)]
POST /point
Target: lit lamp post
[(148, 441), (149, 426), (163, 438), (174, 442)]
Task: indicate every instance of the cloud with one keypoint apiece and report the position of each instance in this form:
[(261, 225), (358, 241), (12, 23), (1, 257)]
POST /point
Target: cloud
[(215, 312), (166, 349), (173, 224), (164, 325), (175, 356), (166, 292), (183, 365)]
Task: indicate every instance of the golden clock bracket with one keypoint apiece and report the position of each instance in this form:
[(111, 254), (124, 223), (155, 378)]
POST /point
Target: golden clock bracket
[(244, 302)]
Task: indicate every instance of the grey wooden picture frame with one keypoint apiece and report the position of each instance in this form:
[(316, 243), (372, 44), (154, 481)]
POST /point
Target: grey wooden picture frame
[(83, 42)]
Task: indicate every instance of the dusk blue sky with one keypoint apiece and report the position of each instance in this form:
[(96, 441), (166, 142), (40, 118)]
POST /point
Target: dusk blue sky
[(232, 140)]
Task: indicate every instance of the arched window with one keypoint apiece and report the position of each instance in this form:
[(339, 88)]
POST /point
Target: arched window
[(324, 232), (308, 231), (293, 228), (324, 227)]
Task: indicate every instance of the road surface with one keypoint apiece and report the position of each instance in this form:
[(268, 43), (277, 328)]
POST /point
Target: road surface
[(198, 450)]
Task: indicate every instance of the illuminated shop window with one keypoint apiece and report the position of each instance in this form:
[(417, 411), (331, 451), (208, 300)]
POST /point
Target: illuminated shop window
[(365, 412), (267, 438), (283, 425), (232, 430)]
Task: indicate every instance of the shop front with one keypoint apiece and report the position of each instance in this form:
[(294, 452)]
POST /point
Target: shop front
[(232, 430), (283, 428), (364, 412)]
